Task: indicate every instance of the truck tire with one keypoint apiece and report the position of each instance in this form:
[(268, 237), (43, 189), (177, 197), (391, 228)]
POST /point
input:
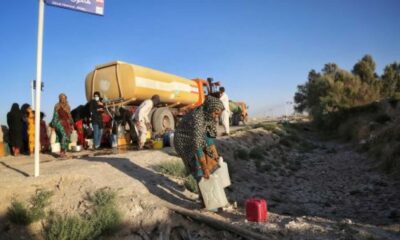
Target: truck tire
[(235, 119), (162, 120)]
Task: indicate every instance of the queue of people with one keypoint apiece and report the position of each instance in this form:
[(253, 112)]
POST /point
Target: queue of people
[(90, 121), (21, 127)]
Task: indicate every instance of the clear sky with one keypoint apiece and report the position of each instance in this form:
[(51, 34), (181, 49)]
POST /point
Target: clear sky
[(259, 49)]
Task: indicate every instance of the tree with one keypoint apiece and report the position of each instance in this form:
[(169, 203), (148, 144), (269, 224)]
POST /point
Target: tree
[(391, 80), (307, 98), (304, 99), (365, 69), (335, 89), (330, 68)]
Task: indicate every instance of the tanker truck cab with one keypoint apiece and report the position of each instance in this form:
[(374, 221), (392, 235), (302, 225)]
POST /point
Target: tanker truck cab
[(125, 85)]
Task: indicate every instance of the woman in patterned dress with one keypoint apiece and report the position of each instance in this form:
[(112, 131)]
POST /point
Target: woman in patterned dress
[(62, 122), (194, 138)]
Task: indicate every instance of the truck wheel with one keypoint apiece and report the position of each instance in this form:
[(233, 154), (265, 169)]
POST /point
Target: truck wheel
[(235, 119), (162, 120)]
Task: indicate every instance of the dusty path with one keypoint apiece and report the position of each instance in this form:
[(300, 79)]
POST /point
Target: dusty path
[(326, 191)]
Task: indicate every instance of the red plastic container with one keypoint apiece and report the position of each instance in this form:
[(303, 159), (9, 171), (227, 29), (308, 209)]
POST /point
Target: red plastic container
[(256, 210)]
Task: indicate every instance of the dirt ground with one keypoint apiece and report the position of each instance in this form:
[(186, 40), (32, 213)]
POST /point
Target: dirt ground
[(323, 190)]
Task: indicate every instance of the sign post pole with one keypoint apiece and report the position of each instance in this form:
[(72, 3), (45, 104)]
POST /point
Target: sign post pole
[(33, 94), (90, 6), (38, 83)]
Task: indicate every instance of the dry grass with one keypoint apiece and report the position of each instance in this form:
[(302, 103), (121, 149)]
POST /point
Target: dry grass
[(172, 168)]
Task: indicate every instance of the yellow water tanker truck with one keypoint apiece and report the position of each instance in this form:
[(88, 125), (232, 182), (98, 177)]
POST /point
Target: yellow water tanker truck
[(123, 84)]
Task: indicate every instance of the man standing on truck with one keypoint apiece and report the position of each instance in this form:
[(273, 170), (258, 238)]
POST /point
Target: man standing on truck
[(141, 118), (226, 113)]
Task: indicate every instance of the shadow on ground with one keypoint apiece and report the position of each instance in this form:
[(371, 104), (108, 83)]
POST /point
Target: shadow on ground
[(157, 184)]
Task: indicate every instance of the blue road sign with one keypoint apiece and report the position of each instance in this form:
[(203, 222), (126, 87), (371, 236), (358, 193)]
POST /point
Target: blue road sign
[(89, 6)]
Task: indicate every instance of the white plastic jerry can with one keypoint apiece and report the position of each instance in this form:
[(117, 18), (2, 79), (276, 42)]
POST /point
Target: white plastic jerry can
[(171, 140), (53, 137), (212, 192), (223, 173), (89, 143), (74, 137), (55, 148)]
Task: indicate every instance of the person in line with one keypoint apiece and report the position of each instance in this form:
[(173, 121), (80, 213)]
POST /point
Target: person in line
[(125, 118), (78, 117), (14, 121), (96, 108), (31, 130), (114, 114), (62, 123), (44, 138), (25, 139), (226, 113), (141, 118), (194, 138)]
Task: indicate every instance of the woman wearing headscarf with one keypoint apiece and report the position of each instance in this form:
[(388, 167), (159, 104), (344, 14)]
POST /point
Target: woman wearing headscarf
[(31, 130), (78, 117), (14, 121), (25, 138), (194, 138), (62, 122), (44, 138)]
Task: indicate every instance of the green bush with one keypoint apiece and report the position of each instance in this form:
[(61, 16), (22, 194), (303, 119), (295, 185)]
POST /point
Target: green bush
[(21, 214), (103, 197), (18, 213), (104, 219), (39, 202), (191, 184), (174, 168), (68, 227)]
